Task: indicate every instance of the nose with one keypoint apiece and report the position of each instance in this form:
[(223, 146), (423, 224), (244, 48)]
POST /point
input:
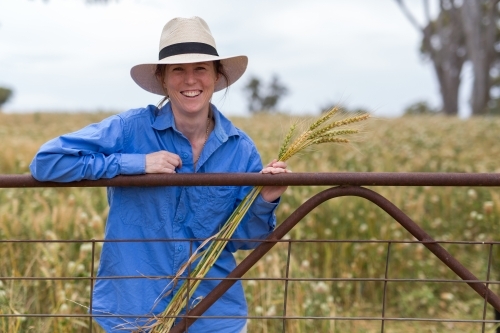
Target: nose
[(189, 77)]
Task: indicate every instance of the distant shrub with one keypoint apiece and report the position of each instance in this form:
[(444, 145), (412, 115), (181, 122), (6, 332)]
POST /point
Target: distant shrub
[(420, 108), (494, 107), (5, 94), (328, 106)]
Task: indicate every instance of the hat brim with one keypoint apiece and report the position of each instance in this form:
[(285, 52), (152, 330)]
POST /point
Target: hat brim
[(144, 74)]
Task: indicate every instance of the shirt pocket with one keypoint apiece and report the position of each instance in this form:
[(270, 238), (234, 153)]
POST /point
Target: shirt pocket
[(145, 207), (216, 205)]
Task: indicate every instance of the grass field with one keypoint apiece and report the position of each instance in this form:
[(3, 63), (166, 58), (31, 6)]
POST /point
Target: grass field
[(408, 144)]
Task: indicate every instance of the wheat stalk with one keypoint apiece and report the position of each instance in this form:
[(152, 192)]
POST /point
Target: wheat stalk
[(319, 132), (322, 131)]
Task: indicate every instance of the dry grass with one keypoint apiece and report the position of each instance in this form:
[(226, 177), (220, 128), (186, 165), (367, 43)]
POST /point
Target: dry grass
[(399, 145)]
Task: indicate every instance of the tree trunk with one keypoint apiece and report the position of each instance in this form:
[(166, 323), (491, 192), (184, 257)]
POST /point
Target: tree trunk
[(449, 83), (443, 40), (479, 23)]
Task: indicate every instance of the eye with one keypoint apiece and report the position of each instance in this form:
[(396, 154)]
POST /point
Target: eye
[(176, 69)]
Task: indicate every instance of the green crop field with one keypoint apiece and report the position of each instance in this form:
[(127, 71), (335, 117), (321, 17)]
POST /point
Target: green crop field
[(408, 144)]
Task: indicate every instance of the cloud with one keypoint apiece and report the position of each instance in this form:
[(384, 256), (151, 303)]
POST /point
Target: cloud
[(66, 54)]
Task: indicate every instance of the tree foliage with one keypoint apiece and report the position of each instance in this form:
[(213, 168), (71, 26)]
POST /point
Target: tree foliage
[(5, 94), (461, 31), (264, 98)]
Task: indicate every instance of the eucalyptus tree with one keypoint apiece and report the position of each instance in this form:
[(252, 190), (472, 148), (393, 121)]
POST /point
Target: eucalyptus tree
[(479, 21), (443, 42), (461, 31)]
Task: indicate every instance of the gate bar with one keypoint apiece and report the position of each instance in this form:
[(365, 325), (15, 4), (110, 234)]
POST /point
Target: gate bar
[(256, 179)]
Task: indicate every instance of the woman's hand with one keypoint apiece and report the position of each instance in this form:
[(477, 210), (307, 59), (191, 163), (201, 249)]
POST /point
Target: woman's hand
[(271, 193), (162, 162)]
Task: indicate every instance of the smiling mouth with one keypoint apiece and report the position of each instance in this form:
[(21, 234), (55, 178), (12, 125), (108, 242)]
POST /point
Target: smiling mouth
[(191, 93)]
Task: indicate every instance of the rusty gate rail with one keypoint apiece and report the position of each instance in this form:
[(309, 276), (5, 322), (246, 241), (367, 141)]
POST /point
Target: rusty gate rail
[(297, 179), (348, 184)]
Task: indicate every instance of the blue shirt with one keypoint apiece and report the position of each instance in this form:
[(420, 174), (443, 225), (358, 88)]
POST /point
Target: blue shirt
[(118, 146)]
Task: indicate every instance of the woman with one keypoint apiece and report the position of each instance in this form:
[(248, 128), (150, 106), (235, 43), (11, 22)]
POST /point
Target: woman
[(188, 134)]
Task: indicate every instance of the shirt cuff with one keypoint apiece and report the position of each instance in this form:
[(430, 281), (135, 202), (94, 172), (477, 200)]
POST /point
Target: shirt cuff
[(264, 207), (133, 164)]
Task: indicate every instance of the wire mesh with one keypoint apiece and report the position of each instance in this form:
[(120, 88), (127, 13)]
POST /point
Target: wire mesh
[(313, 283)]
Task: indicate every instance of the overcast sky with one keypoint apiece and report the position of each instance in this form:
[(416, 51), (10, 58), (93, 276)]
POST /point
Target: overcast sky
[(65, 55)]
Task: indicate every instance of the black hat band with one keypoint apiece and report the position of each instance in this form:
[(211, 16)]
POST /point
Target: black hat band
[(189, 47)]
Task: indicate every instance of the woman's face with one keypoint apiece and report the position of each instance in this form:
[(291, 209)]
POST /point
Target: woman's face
[(190, 86)]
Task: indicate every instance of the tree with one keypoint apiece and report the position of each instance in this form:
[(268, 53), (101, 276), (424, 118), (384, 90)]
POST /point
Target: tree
[(443, 42), (462, 31), (253, 90), (479, 20), (267, 100), (5, 94)]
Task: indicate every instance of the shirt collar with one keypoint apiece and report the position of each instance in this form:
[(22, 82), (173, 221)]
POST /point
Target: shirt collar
[(222, 130)]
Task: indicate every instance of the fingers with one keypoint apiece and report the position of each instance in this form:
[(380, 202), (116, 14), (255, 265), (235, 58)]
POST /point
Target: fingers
[(271, 163), (275, 170), (276, 167), (162, 162)]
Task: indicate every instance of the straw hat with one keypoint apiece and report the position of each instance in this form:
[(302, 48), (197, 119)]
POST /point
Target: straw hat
[(187, 40)]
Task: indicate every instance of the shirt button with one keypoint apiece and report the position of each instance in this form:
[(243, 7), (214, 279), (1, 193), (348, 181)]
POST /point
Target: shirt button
[(180, 217), (179, 248), (184, 155)]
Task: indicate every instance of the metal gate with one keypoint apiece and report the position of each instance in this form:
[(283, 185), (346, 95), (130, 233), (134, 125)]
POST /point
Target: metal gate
[(344, 184)]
